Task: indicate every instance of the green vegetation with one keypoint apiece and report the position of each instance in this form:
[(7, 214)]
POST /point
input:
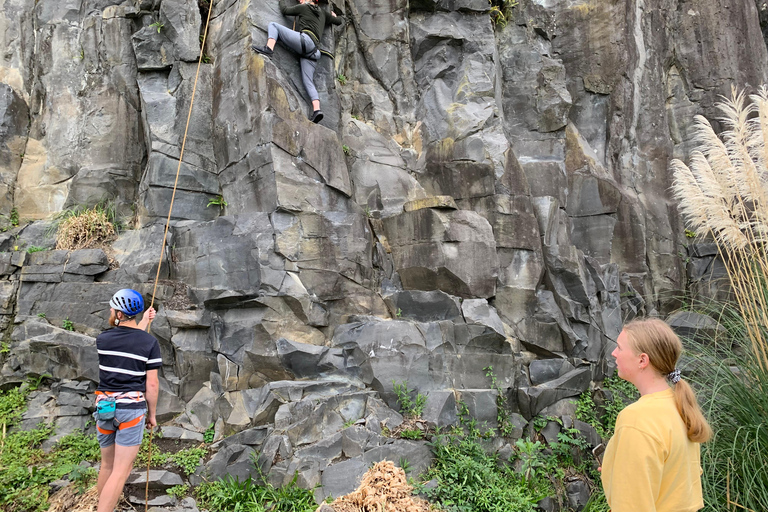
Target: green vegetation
[(82, 227), (231, 495), (409, 407), (217, 201), (14, 217), (41, 315), (25, 470), (342, 79), (502, 407), (157, 25), (178, 491), (471, 480), (34, 248), (68, 325), (603, 417), (345, 149), (209, 434), (501, 12)]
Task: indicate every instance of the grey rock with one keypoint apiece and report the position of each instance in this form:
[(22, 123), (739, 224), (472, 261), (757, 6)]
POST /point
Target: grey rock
[(467, 269), (440, 408), (535, 398), (425, 306), (696, 326), (543, 370), (578, 494), (158, 479), (342, 478)]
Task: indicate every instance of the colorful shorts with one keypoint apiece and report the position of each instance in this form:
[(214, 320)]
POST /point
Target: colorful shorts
[(127, 429)]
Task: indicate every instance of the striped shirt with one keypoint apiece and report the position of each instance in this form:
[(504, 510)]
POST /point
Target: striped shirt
[(125, 355)]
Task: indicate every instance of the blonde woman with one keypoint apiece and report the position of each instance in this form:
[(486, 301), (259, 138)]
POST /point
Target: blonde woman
[(652, 462)]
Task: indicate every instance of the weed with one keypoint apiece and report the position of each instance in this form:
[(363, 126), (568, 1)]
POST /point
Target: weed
[(405, 465), (178, 491), (35, 382), (503, 418), (14, 217), (41, 315), (690, 234), (5, 348), (218, 201), (355, 117), (398, 313), (345, 149), (409, 407), (189, 459), (206, 58), (209, 434), (232, 495), (471, 480), (348, 424), (367, 212), (342, 79), (68, 325), (159, 26), (413, 434), (501, 12), (35, 248)]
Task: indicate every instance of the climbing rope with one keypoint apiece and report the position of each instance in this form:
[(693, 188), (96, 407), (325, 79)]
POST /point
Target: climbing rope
[(168, 223)]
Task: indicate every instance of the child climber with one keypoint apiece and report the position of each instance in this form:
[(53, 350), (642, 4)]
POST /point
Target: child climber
[(311, 21)]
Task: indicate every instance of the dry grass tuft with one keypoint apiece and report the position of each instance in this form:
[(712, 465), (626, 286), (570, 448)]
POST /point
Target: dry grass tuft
[(69, 499), (384, 488), (86, 230)]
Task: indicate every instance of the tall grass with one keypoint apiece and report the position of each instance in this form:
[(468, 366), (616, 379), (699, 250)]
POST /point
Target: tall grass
[(723, 196), (735, 400)]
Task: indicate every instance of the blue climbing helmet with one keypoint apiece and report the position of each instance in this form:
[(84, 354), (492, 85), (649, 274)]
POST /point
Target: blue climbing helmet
[(128, 301)]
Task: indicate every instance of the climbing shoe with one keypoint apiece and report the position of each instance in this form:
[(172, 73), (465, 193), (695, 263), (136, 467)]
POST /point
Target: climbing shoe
[(264, 50), (317, 116)]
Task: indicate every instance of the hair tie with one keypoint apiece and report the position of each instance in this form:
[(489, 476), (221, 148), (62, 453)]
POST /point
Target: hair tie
[(674, 376)]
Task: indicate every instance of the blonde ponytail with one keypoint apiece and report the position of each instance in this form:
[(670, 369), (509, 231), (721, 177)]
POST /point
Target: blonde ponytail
[(699, 430), (656, 339)]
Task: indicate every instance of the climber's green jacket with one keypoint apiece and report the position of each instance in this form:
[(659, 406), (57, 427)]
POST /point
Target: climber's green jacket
[(311, 17)]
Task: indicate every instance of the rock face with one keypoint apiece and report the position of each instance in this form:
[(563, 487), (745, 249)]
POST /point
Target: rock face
[(476, 196)]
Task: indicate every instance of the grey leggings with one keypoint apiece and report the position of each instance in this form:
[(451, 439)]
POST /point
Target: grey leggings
[(292, 40)]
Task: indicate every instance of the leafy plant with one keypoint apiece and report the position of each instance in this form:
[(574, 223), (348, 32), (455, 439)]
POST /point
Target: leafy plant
[(342, 79), (157, 25), (471, 480), (409, 407), (218, 201), (231, 495), (178, 491), (34, 248), (189, 459), (501, 12), (414, 433), (209, 434), (345, 149), (14, 217), (68, 325), (503, 418), (41, 315)]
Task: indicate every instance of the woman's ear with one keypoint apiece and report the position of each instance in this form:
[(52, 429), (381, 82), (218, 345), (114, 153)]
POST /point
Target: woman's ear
[(644, 361)]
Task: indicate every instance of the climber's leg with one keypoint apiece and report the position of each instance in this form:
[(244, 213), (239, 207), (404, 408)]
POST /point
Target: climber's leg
[(308, 77)]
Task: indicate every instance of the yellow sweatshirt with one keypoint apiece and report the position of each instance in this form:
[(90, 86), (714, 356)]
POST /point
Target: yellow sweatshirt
[(649, 464)]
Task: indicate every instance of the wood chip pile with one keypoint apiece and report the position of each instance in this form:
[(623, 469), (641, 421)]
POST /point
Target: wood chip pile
[(384, 488)]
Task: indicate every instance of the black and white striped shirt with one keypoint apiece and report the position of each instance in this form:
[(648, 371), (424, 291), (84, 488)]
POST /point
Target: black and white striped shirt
[(125, 355)]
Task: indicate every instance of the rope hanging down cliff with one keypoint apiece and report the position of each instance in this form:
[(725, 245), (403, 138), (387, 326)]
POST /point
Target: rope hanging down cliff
[(170, 210)]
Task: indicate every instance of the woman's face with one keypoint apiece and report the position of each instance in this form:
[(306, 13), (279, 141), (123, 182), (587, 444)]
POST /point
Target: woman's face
[(627, 362)]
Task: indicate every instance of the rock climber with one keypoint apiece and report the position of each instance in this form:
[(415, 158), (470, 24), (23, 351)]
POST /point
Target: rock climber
[(126, 399), (311, 20)]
